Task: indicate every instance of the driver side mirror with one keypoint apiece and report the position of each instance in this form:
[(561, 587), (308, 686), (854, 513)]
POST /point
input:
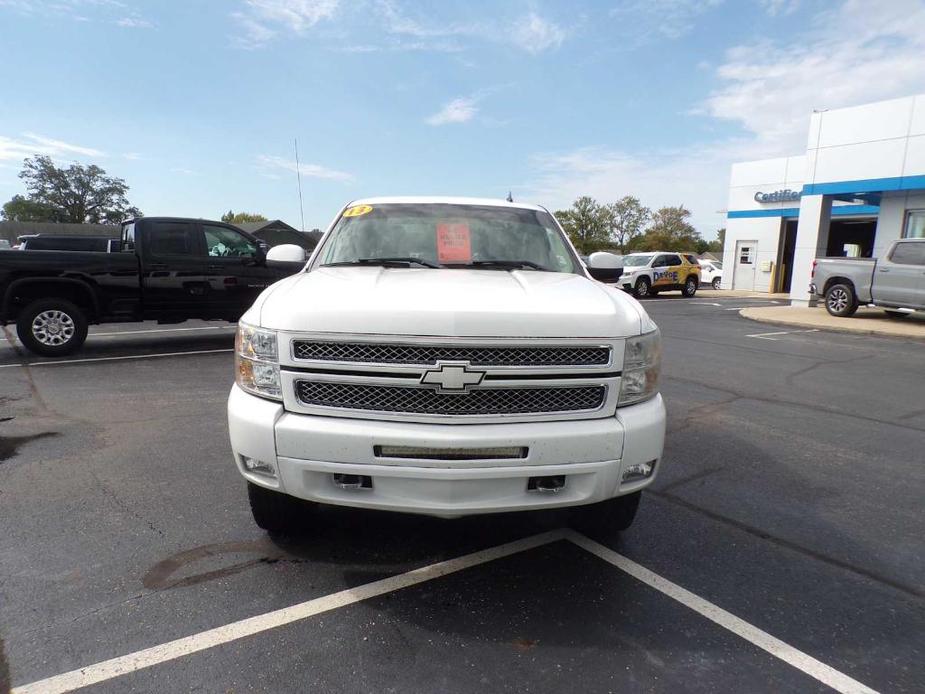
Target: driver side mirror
[(286, 256), (260, 255), (605, 267)]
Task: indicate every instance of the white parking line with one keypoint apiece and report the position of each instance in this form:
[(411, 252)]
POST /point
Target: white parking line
[(767, 336), (139, 660), (779, 649), (705, 303), (108, 669), (152, 330), (122, 358)]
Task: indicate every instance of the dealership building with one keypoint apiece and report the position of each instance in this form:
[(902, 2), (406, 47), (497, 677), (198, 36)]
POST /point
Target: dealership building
[(859, 186)]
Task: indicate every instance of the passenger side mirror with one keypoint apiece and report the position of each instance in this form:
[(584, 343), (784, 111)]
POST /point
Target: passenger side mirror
[(605, 267), (286, 256)]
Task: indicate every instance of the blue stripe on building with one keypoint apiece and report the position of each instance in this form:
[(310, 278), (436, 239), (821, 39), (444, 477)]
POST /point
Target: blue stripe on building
[(837, 211), (867, 185)]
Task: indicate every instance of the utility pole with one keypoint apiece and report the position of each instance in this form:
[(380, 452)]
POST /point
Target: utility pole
[(298, 174)]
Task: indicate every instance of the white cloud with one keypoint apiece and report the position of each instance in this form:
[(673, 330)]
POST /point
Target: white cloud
[(31, 144), (780, 8), (645, 20), (110, 11), (134, 23), (388, 26), (534, 34), (770, 89), (269, 162), (696, 178), (261, 20), (460, 110)]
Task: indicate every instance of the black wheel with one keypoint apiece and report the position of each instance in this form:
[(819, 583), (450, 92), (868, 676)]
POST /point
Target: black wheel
[(896, 314), (690, 286), (614, 514), (52, 327), (716, 282), (275, 512), (643, 288), (840, 300)]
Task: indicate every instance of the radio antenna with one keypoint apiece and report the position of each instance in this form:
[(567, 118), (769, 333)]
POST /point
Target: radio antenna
[(298, 174)]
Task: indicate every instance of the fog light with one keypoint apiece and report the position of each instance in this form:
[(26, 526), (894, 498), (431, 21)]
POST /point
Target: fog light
[(258, 467), (638, 471)]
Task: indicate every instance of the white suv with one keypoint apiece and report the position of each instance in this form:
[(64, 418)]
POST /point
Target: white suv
[(445, 356), (711, 273)]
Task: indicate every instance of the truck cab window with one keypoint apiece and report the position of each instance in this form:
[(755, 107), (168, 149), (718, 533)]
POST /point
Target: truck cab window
[(222, 242), (128, 238), (909, 253), (171, 238)]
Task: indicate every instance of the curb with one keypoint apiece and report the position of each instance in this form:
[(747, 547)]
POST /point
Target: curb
[(830, 328)]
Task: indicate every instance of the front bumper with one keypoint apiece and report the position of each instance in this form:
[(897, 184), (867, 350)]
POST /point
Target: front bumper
[(308, 450)]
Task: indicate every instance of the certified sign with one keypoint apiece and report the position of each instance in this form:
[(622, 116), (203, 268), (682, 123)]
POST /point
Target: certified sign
[(785, 195)]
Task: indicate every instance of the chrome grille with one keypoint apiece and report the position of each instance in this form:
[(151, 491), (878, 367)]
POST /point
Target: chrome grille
[(417, 400), (384, 353)]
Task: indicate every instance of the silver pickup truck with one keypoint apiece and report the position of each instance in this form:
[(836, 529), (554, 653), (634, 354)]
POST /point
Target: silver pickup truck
[(895, 283)]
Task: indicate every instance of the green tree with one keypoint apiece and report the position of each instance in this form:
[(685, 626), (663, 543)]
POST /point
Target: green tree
[(669, 230), (717, 245), (22, 209), (78, 193), (585, 224), (232, 217), (625, 220)]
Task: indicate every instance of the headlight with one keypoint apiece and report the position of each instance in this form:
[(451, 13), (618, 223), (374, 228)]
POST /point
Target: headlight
[(642, 360), (256, 361)]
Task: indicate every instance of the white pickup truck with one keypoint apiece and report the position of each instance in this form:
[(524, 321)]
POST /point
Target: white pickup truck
[(445, 356)]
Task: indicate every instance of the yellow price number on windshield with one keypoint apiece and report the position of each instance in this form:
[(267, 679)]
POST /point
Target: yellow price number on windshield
[(358, 211)]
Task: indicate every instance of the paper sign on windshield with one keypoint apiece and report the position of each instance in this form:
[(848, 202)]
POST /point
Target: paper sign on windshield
[(453, 243)]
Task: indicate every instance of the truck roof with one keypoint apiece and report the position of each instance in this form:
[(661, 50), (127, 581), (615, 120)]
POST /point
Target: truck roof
[(445, 200), (129, 220)]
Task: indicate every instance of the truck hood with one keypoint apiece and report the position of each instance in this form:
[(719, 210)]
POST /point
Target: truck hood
[(452, 303)]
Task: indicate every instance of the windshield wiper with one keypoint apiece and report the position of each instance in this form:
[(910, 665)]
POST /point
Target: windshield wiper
[(383, 261), (505, 264)]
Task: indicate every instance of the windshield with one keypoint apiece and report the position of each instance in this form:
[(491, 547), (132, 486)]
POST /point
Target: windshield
[(448, 236), (637, 260)]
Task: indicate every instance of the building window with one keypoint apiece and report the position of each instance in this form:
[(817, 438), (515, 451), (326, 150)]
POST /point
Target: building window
[(915, 225)]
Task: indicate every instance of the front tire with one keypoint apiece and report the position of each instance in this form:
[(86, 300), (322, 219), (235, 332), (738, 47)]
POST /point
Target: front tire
[(840, 300), (643, 288), (615, 514), (275, 512), (716, 282), (690, 286), (52, 327)]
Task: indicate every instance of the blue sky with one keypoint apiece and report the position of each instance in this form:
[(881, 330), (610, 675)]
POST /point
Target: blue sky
[(196, 104)]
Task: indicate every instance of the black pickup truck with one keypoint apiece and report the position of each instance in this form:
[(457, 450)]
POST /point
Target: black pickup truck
[(165, 269)]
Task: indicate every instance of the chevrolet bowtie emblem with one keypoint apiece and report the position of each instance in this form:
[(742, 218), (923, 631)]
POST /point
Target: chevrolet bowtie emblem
[(452, 378)]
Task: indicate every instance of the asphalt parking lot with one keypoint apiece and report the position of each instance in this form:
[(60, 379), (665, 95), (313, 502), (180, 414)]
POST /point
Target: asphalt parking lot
[(781, 548)]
